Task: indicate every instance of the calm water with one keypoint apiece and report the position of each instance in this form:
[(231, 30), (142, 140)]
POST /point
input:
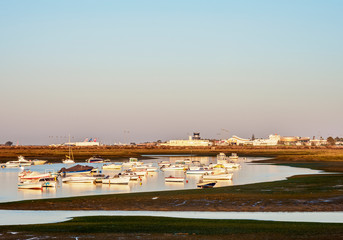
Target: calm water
[(12, 217), (248, 173)]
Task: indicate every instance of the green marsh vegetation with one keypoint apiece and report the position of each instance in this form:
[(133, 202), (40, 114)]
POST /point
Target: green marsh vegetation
[(107, 227)]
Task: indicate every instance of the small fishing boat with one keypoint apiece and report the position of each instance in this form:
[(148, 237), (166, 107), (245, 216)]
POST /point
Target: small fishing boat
[(174, 179), (68, 161), (141, 173), (28, 175), (206, 184), (112, 166), (233, 157), (21, 162), (222, 158), (174, 168), (164, 164), (30, 185), (39, 162), (116, 179), (199, 171), (95, 159), (132, 162), (48, 182), (76, 169), (151, 169), (70, 157), (133, 176), (80, 178)]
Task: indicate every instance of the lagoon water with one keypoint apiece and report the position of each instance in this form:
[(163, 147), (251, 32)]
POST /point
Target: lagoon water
[(14, 217), (248, 173)]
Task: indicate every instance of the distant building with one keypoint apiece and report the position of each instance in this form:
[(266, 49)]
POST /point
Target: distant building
[(318, 142), (194, 141), (273, 140), (234, 140), (85, 143)]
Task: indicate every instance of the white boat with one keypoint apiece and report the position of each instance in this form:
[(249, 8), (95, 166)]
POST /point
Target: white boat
[(28, 175), (48, 182), (133, 176), (132, 162), (222, 158), (174, 168), (70, 157), (30, 185), (164, 164), (95, 159), (174, 179), (79, 179), (211, 177), (233, 157), (141, 173), (231, 165), (39, 162), (68, 161), (116, 179), (112, 166), (152, 169), (199, 171), (21, 162)]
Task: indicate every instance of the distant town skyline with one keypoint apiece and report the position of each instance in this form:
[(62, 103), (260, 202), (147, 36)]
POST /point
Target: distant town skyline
[(147, 70)]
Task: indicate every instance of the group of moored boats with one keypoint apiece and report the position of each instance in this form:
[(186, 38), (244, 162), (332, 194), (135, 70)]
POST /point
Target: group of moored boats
[(209, 173), (22, 162), (133, 170)]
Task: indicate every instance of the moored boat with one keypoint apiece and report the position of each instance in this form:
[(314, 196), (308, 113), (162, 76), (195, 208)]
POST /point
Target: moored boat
[(76, 169), (133, 176), (28, 175), (48, 182), (174, 179), (21, 162), (199, 171), (116, 179), (95, 159), (233, 157), (132, 162), (68, 161), (174, 168), (112, 166), (30, 185), (80, 178), (39, 162), (206, 184)]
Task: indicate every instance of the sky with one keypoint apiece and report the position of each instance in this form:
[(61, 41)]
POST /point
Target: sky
[(137, 71)]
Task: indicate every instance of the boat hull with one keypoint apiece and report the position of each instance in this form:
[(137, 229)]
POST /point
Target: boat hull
[(119, 180)]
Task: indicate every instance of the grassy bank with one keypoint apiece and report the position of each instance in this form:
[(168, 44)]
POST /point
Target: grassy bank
[(55, 154), (172, 228)]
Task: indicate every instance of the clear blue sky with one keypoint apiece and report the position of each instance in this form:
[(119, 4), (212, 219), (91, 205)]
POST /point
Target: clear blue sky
[(163, 69)]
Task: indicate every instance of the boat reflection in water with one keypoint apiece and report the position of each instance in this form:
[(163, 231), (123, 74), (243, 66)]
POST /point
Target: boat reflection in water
[(116, 187)]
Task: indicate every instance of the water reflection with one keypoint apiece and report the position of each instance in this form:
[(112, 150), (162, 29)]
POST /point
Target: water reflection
[(152, 181)]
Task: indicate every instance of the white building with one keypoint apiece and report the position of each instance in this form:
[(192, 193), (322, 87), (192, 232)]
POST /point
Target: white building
[(85, 143), (234, 140), (191, 142), (273, 140)]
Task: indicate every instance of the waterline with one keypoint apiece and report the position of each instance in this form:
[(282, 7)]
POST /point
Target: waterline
[(19, 217)]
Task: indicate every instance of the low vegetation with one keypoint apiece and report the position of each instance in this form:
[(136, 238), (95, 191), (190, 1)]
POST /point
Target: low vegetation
[(104, 227)]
